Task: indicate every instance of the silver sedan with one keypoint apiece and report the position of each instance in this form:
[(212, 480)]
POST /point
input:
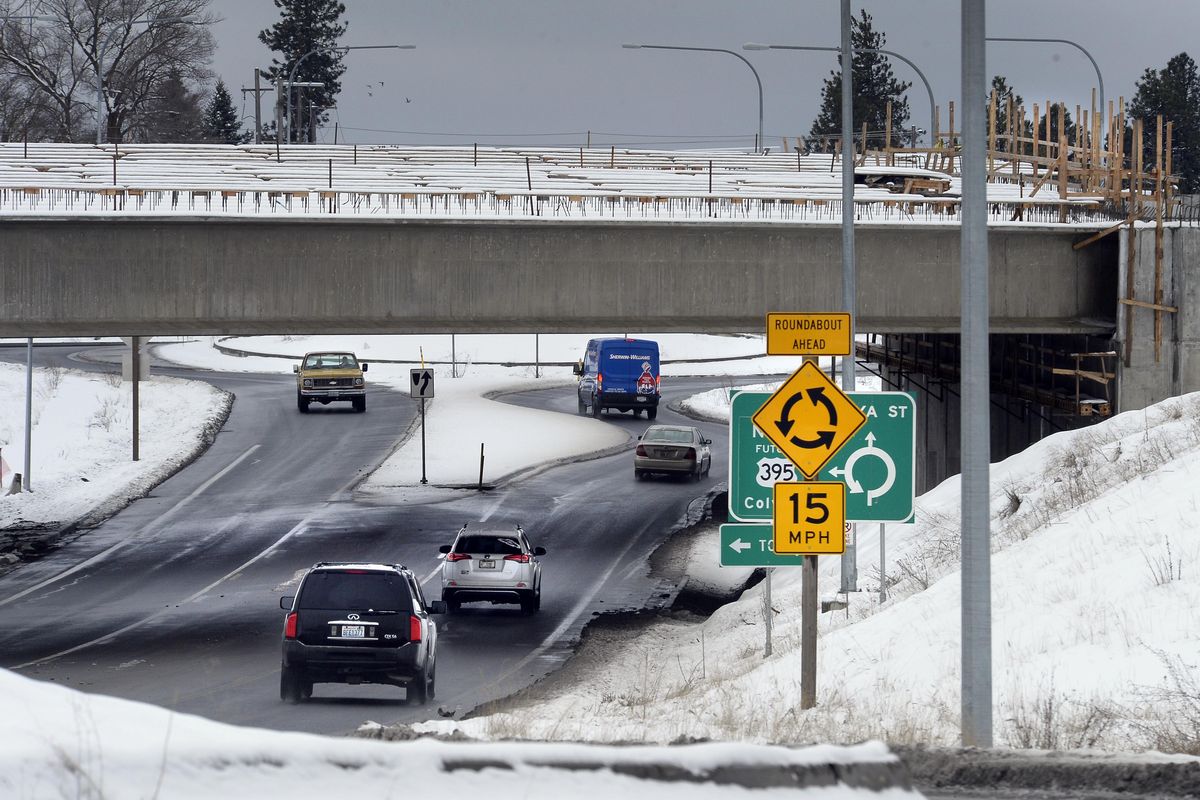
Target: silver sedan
[(672, 450)]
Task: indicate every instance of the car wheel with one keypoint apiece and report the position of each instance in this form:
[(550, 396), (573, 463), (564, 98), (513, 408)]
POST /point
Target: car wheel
[(639, 474), (452, 605), (418, 690), (301, 403), (530, 604), (433, 681), (291, 685), (651, 413), (596, 407), (708, 468), (582, 406), (360, 404)]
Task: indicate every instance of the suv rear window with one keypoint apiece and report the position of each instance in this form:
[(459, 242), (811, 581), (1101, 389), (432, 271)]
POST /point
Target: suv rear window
[(488, 545), (355, 591)]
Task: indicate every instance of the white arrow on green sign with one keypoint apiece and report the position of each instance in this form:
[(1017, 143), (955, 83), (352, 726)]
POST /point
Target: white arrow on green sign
[(750, 546), (877, 464)]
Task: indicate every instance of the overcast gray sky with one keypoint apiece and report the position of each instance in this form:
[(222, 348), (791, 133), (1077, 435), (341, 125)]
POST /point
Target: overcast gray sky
[(548, 71)]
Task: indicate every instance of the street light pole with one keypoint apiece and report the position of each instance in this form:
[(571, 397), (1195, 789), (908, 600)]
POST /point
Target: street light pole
[(893, 53), (1076, 45), (760, 142), (331, 49)]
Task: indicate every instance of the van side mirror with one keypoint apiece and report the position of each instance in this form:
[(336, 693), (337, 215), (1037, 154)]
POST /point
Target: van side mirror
[(539, 551), (286, 602), (444, 548), (577, 368), (364, 365), (296, 368), (706, 441)]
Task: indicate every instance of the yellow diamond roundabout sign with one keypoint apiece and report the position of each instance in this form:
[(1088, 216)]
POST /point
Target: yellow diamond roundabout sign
[(809, 418)]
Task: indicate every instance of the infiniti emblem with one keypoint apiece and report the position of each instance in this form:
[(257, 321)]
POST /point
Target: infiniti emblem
[(352, 616)]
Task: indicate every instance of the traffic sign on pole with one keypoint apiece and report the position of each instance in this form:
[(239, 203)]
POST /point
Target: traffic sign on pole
[(808, 334), (882, 451), (809, 418), (810, 518), (422, 383), (752, 546)]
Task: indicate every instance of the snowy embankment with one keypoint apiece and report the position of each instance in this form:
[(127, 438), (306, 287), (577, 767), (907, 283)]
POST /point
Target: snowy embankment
[(81, 459), (1095, 608), (63, 743)]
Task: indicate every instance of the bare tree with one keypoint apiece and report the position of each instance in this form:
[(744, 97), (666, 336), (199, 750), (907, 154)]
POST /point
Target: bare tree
[(132, 45)]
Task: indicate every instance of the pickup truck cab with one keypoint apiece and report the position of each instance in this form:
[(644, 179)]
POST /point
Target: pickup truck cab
[(329, 376), (621, 374)]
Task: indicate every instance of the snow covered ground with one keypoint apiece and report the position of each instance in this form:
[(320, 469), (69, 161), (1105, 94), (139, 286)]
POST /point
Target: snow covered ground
[(64, 743), (81, 439)]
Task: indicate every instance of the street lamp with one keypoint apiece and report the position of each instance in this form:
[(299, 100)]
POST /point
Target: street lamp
[(894, 54), (761, 143), (1076, 45), (102, 48), (333, 49)]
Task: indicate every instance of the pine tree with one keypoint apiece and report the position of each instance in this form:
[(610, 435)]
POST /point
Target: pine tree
[(1004, 97), (173, 114), (1173, 92), (220, 123), (305, 26), (874, 85)]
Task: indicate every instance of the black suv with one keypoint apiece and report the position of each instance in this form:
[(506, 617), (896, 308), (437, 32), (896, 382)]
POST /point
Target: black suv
[(359, 623)]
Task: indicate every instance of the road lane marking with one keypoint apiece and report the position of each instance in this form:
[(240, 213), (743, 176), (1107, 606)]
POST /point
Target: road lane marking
[(156, 521), (108, 637)]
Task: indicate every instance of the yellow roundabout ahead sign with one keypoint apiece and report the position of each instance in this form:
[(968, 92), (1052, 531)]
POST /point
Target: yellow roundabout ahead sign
[(809, 418)]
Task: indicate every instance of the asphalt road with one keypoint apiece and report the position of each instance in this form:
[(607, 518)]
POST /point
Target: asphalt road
[(174, 601)]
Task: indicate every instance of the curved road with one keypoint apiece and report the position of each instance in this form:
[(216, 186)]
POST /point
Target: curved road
[(174, 601)]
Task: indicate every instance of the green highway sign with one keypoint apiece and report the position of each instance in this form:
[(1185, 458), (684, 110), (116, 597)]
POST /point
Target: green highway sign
[(751, 546), (877, 464)]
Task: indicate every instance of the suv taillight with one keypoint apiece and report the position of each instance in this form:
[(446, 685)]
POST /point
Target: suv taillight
[(520, 558), (414, 629), (289, 627), (691, 454), (641, 451), (457, 556)]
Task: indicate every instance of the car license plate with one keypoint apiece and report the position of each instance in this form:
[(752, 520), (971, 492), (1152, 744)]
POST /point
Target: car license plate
[(641, 399), (483, 564), (353, 631)]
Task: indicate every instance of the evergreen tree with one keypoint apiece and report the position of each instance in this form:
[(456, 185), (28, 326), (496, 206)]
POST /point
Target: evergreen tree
[(305, 26), (1004, 95), (874, 85), (1173, 92), (173, 113), (220, 123)]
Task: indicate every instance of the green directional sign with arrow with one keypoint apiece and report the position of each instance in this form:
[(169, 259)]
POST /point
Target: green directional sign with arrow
[(752, 546), (877, 463)]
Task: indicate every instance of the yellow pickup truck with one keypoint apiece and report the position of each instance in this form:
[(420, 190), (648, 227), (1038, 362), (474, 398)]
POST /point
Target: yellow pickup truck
[(326, 377)]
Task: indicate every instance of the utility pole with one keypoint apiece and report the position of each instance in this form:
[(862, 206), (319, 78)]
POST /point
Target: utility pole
[(850, 555), (278, 107), (257, 91)]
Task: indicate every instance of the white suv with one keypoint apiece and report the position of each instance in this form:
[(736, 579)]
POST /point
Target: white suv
[(494, 565)]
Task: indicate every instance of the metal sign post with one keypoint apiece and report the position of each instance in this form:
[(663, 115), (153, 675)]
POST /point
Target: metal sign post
[(26, 479), (421, 388), (135, 345)]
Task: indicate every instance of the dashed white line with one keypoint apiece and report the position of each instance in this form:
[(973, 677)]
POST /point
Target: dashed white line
[(157, 521)]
